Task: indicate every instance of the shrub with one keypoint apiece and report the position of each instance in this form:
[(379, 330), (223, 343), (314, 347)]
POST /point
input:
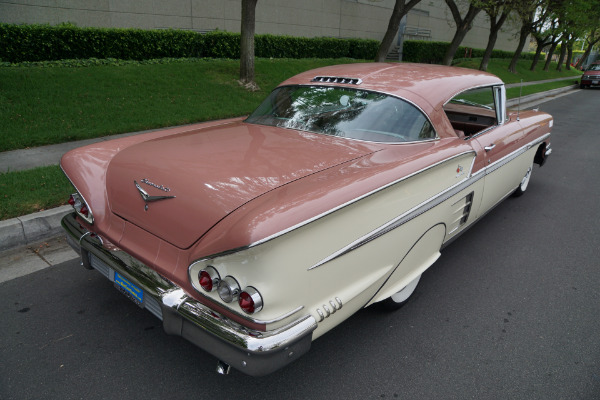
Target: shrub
[(433, 52), (26, 43)]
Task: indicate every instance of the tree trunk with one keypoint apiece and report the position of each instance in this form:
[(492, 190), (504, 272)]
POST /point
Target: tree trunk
[(495, 26), (463, 26), (247, 44), (569, 55), (522, 40), (538, 52), (399, 11), (550, 54), (563, 54)]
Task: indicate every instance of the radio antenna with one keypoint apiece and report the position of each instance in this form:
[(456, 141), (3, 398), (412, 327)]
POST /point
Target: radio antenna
[(519, 104)]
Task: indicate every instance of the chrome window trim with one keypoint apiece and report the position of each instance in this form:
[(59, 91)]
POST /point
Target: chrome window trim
[(498, 102), (473, 88)]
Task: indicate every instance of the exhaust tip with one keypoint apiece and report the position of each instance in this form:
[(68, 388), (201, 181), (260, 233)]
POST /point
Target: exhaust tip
[(223, 368)]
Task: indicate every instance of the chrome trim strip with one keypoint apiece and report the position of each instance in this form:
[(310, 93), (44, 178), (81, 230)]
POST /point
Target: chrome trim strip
[(313, 219), (509, 157), (429, 203), (401, 219), (348, 203)]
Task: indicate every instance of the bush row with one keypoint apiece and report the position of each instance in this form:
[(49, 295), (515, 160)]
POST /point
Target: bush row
[(27, 43), (433, 52), (20, 43)]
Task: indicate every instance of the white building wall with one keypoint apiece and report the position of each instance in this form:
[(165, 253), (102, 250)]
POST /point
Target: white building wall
[(430, 20)]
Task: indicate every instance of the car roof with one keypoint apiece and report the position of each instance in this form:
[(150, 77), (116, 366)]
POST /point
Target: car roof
[(427, 85)]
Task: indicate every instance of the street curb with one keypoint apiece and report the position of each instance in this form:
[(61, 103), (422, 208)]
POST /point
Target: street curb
[(30, 228), (541, 95)]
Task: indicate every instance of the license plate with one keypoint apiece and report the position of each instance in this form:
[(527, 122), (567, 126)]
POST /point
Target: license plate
[(594, 82), (129, 289)]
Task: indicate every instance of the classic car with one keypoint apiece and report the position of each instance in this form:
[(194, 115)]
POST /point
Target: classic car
[(591, 76), (252, 237)]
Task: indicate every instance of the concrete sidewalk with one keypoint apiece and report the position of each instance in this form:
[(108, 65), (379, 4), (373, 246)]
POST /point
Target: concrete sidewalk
[(42, 225)]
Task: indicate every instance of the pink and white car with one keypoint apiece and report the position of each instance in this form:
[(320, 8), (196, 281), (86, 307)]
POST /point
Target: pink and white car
[(251, 237)]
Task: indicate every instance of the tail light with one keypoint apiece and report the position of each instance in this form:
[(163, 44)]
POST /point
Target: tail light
[(81, 207), (209, 278), (229, 289), (250, 300), (206, 278)]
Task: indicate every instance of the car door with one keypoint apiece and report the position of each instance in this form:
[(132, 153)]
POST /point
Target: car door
[(502, 170), (480, 116)]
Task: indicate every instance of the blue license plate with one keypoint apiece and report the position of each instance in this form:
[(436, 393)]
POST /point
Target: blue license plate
[(129, 289)]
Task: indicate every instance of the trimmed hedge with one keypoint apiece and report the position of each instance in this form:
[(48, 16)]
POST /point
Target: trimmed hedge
[(19, 43), (433, 52), (27, 43)]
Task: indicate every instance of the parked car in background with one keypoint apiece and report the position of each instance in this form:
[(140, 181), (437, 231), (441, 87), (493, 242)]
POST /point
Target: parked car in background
[(252, 237), (591, 76)]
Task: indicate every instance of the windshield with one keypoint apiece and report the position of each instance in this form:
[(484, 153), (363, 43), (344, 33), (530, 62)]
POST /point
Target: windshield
[(594, 67), (343, 112)]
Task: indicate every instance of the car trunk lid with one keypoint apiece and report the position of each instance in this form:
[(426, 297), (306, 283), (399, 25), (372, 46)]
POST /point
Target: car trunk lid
[(195, 179)]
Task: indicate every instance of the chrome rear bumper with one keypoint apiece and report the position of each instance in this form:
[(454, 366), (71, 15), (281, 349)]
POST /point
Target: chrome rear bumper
[(252, 352)]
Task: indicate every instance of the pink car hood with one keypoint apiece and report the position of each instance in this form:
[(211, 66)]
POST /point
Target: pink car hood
[(213, 171)]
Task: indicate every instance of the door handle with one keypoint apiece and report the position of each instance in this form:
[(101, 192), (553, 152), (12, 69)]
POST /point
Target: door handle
[(491, 146)]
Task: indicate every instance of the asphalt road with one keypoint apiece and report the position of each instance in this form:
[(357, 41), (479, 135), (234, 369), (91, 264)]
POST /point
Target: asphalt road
[(510, 311)]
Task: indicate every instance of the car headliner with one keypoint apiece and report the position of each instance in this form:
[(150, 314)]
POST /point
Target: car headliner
[(427, 85)]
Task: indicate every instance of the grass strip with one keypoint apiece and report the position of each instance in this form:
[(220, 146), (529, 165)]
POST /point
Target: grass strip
[(542, 87), (41, 106), (24, 192), (499, 67)]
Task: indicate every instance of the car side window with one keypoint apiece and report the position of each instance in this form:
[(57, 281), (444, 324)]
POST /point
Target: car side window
[(472, 111)]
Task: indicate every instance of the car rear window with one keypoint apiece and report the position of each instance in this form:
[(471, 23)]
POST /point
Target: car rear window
[(344, 112)]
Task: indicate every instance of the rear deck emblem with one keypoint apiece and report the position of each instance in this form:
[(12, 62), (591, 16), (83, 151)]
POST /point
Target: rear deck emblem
[(147, 197)]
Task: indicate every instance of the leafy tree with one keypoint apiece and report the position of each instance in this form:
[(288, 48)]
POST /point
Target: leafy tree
[(532, 14), (592, 38), (463, 26), (497, 12), (401, 8), (247, 44)]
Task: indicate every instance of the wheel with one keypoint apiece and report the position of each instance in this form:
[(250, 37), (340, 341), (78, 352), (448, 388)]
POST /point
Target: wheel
[(524, 182), (581, 86), (402, 297)]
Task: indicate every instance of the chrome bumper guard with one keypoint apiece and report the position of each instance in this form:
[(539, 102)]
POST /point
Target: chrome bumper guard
[(252, 352)]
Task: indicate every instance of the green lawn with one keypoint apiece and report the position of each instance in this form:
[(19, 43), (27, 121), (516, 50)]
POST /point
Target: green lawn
[(40, 106), (23, 192), (499, 67)]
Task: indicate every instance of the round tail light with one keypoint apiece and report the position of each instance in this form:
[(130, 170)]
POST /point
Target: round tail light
[(229, 289), (71, 200), (84, 210), (250, 300), (209, 278)]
